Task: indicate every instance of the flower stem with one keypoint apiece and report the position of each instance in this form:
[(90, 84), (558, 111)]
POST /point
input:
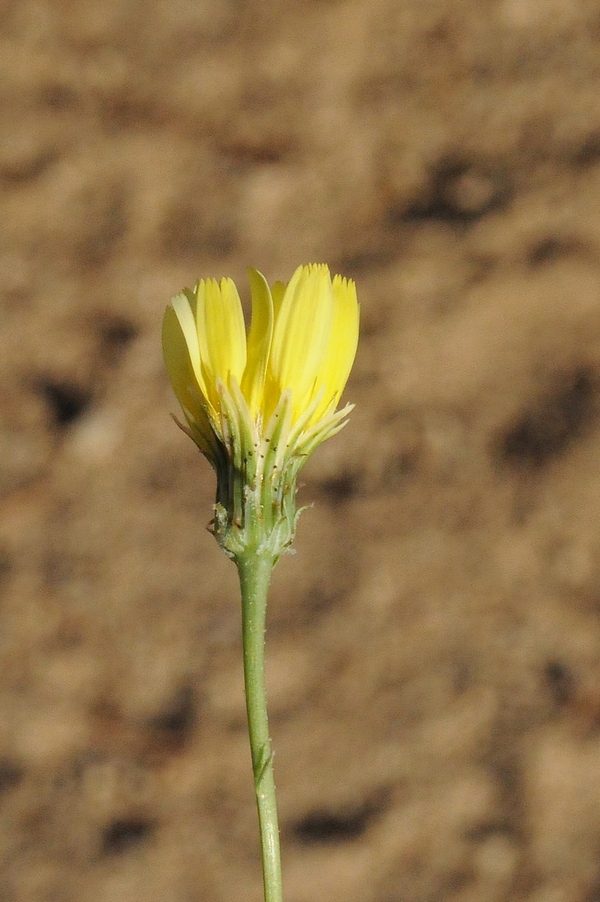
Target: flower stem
[(255, 575)]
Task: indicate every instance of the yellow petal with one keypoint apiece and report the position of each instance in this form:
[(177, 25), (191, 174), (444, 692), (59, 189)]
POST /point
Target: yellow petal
[(277, 293), (301, 334), (180, 304), (221, 332), (259, 341), (182, 375), (341, 350)]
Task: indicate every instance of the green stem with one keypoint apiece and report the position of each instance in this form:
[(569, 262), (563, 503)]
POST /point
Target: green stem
[(255, 574)]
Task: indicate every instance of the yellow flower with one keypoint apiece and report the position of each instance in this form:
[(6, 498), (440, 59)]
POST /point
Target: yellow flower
[(259, 403)]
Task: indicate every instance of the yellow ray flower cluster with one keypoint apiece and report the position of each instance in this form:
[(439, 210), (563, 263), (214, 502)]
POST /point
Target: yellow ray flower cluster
[(258, 404)]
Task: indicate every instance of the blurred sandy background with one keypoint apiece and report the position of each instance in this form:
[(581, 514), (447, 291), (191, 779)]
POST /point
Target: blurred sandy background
[(434, 644)]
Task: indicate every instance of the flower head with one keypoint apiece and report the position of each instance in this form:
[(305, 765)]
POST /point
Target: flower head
[(258, 404)]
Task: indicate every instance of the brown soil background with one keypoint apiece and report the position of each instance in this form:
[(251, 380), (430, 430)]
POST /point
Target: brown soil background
[(434, 644)]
